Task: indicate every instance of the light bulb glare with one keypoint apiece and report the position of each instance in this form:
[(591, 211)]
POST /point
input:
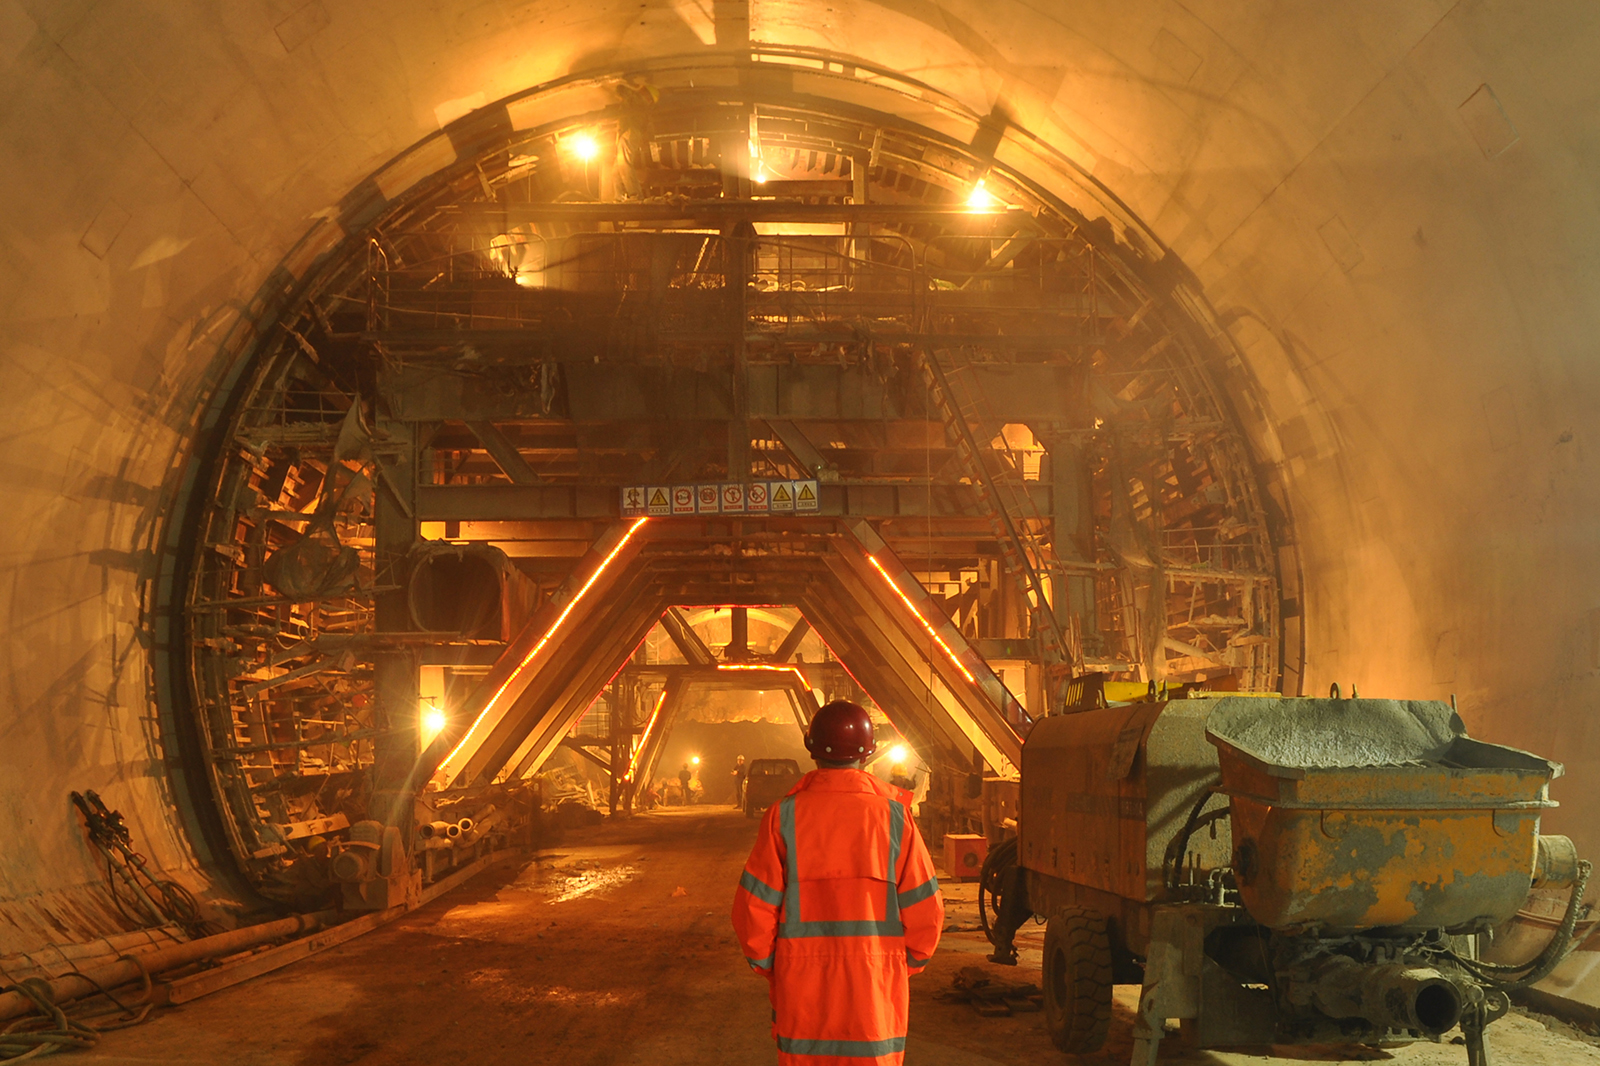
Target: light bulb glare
[(584, 146), (433, 722), (897, 754), (982, 199)]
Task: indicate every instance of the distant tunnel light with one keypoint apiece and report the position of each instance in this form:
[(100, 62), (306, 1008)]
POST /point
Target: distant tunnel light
[(694, 759), (912, 607), (537, 648)]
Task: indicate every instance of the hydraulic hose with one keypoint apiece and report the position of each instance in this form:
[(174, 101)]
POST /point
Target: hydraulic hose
[(1172, 861), (1543, 964), (1001, 856)]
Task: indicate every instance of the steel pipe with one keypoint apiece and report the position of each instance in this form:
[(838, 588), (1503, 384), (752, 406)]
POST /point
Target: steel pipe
[(1391, 996), (487, 819), (125, 971)]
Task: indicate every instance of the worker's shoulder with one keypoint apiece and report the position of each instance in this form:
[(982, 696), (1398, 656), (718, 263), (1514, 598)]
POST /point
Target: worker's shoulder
[(850, 783)]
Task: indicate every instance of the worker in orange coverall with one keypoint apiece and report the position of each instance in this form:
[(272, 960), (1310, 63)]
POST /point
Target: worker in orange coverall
[(838, 904)]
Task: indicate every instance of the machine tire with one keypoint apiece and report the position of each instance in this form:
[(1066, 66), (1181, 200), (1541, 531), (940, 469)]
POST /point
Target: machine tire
[(1077, 980)]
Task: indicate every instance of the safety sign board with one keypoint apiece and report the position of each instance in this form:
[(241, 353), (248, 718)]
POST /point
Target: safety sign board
[(805, 496), (728, 497)]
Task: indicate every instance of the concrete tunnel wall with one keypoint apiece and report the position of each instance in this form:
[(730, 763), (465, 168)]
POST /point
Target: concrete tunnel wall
[(1404, 259)]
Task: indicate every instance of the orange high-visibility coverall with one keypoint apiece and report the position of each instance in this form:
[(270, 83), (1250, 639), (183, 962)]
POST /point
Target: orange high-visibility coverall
[(837, 906)]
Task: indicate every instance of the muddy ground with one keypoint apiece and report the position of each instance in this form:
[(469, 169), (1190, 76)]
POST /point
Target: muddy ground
[(616, 949)]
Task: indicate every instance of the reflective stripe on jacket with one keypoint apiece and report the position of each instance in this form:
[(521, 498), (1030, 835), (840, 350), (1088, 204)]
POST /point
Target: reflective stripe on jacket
[(838, 904)]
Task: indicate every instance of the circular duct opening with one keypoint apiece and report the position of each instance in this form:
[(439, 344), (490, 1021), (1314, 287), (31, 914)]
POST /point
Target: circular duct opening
[(1437, 1007), (456, 593)]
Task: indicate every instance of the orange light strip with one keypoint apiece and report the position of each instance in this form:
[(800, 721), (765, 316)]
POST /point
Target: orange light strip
[(912, 607), (644, 738), (537, 648), (795, 670)]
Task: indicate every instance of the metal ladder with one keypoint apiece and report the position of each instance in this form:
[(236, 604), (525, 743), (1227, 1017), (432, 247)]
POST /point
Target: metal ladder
[(997, 478)]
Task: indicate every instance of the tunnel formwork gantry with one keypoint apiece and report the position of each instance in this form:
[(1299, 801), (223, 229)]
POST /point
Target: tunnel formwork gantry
[(849, 585), (1003, 395)]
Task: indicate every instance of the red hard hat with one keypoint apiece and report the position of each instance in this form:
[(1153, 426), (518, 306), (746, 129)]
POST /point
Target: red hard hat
[(841, 732)]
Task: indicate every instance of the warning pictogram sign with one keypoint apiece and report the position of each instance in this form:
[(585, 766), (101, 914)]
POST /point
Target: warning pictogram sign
[(728, 497), (805, 496)]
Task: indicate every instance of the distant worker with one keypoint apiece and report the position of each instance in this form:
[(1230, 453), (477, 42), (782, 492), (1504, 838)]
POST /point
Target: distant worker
[(739, 771), (684, 777), (838, 904)]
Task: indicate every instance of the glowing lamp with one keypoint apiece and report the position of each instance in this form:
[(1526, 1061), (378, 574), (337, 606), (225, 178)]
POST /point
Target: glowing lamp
[(694, 759), (897, 754), (982, 199), (584, 146), (433, 723)]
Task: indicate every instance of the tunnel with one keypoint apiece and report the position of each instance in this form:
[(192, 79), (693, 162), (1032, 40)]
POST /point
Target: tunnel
[(439, 422)]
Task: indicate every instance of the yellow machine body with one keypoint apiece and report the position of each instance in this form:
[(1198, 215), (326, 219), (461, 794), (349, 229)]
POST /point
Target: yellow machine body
[(1104, 791), (1435, 831)]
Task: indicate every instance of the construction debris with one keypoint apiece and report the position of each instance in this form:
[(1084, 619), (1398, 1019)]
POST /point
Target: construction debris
[(991, 997)]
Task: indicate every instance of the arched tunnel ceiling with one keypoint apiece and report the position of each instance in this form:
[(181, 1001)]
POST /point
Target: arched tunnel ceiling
[(1387, 205)]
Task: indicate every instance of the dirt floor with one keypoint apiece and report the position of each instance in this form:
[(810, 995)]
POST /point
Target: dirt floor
[(616, 949)]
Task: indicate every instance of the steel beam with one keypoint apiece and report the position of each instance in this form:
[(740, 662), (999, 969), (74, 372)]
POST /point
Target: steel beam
[(791, 641), (688, 642), (527, 503), (724, 214), (799, 445), (898, 691), (504, 453), (587, 679), (975, 698), (536, 647), (666, 719)]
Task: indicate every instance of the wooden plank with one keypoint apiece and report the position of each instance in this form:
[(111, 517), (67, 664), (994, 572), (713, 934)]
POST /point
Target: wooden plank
[(185, 989)]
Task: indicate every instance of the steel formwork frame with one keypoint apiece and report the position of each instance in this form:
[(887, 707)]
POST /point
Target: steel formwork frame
[(1194, 588), (935, 689)]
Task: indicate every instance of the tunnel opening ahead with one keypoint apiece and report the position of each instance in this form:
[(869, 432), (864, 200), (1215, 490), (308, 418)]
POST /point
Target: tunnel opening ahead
[(645, 349)]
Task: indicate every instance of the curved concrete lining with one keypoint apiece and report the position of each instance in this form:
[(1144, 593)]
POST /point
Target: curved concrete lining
[(1389, 206)]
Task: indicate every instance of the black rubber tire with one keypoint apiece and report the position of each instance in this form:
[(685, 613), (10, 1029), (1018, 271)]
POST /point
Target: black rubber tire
[(1077, 980)]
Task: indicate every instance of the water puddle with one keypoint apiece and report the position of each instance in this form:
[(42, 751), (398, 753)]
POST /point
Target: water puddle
[(563, 879)]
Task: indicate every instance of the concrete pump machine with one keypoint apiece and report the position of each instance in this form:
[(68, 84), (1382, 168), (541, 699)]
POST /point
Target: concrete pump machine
[(1276, 871)]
